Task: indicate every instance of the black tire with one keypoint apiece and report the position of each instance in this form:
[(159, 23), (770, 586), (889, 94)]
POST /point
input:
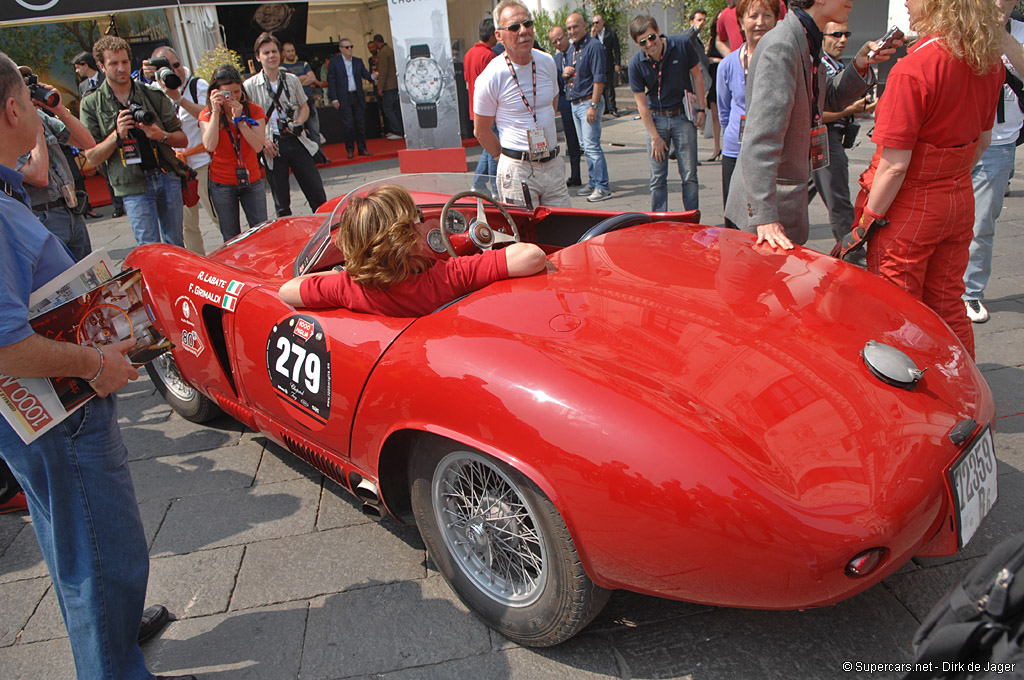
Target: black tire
[(9, 486), (190, 403), (556, 598)]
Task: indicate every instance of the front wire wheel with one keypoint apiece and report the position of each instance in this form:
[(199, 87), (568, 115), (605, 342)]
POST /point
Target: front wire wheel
[(189, 402), (502, 546)]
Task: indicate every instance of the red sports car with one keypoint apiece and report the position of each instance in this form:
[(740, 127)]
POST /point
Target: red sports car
[(668, 409)]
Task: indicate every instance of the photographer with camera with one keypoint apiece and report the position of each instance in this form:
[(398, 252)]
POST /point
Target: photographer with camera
[(136, 126), (280, 94), (49, 180), (188, 93), (234, 131)]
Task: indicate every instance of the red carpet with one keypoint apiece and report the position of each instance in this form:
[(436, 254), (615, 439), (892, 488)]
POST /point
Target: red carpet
[(380, 148)]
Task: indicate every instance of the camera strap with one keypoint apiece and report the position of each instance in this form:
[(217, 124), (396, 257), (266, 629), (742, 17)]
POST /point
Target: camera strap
[(275, 96)]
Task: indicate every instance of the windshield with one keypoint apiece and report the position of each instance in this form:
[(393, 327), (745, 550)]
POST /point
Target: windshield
[(426, 188)]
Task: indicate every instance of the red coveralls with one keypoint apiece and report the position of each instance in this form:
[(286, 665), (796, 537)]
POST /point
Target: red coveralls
[(935, 106)]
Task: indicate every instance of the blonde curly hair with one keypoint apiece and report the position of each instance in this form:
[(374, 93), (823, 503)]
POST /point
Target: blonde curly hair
[(380, 239), (969, 29)]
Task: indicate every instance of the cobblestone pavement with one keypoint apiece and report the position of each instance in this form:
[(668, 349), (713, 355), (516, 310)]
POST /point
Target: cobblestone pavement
[(275, 573)]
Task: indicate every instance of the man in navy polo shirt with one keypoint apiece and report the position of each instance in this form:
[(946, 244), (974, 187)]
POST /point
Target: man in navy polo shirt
[(584, 88), (660, 75)]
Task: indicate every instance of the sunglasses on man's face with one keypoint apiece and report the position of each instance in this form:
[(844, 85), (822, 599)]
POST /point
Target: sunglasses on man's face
[(346, 47), (642, 42), (516, 26), (840, 34)]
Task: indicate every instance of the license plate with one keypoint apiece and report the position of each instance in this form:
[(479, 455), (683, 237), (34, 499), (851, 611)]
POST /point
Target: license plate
[(973, 478)]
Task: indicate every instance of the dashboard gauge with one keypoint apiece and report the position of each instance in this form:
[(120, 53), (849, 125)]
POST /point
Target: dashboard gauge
[(456, 222), (436, 241)]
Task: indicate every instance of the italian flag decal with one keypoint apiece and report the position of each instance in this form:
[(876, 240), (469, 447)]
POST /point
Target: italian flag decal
[(231, 296)]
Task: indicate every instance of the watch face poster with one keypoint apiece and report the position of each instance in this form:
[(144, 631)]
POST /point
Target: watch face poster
[(426, 76)]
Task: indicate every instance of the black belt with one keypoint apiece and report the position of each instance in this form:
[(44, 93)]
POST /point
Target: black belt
[(577, 101), (525, 155), (668, 113), (49, 206)]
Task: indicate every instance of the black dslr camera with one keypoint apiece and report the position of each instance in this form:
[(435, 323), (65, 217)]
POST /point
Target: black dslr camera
[(40, 93), (165, 74), (141, 114), (287, 126)]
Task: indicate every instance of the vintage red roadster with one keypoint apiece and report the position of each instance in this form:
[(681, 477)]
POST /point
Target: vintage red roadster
[(668, 409)]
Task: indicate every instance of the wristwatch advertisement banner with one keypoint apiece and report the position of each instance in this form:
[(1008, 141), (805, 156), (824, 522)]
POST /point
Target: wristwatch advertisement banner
[(426, 76)]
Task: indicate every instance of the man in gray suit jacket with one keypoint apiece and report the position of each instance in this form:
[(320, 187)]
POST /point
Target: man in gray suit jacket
[(85, 67), (768, 195)]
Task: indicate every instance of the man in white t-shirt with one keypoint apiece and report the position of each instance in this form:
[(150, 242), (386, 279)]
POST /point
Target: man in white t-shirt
[(994, 170), (518, 91), (190, 99)]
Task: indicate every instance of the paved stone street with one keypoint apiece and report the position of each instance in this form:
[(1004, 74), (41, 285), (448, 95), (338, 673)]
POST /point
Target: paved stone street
[(275, 573)]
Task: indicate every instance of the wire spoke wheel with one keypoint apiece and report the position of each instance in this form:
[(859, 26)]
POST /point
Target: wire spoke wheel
[(171, 377), (189, 402), (489, 529), (500, 543)]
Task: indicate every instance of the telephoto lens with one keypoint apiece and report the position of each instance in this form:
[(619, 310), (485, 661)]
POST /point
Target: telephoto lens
[(40, 93), (165, 74)]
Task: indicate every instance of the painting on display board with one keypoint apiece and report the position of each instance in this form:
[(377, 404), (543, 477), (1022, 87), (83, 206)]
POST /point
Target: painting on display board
[(426, 75)]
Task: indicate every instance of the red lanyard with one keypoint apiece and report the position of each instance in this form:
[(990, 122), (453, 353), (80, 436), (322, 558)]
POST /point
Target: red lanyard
[(522, 94)]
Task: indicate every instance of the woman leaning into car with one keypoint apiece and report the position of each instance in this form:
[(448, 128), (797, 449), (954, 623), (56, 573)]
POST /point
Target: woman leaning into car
[(233, 132), (388, 269), (932, 124)]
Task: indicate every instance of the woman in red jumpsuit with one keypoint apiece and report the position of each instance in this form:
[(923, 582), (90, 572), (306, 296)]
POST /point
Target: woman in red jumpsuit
[(933, 122)]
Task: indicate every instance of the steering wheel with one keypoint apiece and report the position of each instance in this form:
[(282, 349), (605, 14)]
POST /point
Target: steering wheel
[(480, 233)]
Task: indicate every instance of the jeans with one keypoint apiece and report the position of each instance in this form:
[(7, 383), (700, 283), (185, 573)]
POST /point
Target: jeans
[(226, 199), (291, 154), (590, 139), (487, 165), (680, 133), (572, 142), (393, 111), (86, 518), (990, 176), (69, 228), (157, 214)]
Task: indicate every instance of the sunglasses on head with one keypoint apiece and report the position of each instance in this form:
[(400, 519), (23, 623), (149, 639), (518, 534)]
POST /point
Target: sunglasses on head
[(840, 34), (649, 39), (419, 215), (516, 26)]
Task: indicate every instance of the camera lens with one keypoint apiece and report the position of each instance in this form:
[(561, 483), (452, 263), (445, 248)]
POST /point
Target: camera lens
[(169, 78), (41, 94), (141, 115)]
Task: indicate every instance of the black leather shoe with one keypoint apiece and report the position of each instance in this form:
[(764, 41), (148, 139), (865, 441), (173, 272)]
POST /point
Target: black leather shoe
[(574, 182), (350, 154), (365, 153), (153, 621), (118, 212)]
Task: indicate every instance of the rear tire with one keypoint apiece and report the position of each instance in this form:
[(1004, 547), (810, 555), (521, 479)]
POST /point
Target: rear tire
[(189, 402), (501, 545)]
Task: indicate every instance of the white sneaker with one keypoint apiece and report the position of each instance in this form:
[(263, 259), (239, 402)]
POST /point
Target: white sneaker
[(976, 311), (392, 135), (599, 195)]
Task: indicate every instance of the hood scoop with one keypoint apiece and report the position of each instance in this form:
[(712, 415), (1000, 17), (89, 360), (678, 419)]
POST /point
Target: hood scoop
[(890, 365)]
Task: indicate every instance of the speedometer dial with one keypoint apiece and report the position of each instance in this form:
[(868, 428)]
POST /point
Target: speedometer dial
[(436, 241), (456, 222)]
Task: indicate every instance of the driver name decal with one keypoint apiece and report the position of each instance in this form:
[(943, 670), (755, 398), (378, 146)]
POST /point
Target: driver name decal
[(299, 366)]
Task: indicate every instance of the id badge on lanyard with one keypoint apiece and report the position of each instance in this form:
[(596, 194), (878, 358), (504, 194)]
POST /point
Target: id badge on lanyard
[(819, 147), (130, 153), (538, 139), (743, 124)]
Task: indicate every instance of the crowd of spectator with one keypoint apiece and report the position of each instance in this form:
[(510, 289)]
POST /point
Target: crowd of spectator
[(166, 140)]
